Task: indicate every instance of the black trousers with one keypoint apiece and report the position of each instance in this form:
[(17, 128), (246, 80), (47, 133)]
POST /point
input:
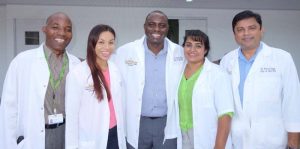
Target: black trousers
[(112, 142)]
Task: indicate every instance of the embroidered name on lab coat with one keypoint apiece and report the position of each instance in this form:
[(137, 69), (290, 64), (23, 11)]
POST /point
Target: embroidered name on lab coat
[(131, 62), (180, 58), (267, 69)]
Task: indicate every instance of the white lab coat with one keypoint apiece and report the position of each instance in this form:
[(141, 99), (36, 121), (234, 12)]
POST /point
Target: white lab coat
[(271, 100), (131, 61), (22, 107), (87, 123), (212, 97)]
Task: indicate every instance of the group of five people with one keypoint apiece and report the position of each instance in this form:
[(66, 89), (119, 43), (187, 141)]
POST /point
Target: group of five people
[(151, 93)]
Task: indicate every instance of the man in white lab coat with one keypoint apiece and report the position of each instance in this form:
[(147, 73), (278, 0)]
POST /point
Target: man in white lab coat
[(266, 89), (150, 67), (32, 114)]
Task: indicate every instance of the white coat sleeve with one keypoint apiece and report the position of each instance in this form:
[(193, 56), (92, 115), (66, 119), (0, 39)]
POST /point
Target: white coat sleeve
[(224, 63), (72, 101), (9, 108), (223, 94), (291, 96)]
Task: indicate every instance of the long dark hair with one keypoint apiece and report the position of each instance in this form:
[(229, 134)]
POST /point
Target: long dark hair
[(97, 75)]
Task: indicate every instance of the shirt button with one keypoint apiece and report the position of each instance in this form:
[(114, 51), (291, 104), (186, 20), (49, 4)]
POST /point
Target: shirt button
[(42, 131), (42, 108)]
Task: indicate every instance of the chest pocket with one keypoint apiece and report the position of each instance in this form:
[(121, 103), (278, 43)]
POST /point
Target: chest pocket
[(268, 87), (203, 97)]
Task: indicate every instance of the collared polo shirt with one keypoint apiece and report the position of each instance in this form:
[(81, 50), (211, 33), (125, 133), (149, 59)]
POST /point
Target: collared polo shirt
[(245, 66), (154, 102)]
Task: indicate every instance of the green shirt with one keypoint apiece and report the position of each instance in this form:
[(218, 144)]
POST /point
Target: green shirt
[(185, 94)]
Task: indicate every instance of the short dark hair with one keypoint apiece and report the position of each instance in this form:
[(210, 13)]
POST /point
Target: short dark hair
[(198, 35), (245, 15), (156, 11)]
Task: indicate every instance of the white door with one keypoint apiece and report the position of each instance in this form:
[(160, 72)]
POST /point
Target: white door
[(28, 34)]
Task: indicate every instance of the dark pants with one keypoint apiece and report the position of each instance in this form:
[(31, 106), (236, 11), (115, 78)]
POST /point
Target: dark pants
[(151, 134), (112, 142), (55, 138)]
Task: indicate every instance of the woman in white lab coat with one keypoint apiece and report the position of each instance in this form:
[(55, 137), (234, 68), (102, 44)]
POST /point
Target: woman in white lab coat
[(94, 97), (205, 99)]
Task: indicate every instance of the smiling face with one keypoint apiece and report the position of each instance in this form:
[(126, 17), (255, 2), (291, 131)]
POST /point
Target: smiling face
[(194, 51), (156, 28), (58, 32), (105, 46), (248, 34)]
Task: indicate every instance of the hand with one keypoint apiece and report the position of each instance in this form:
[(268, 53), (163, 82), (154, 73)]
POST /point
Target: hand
[(293, 140)]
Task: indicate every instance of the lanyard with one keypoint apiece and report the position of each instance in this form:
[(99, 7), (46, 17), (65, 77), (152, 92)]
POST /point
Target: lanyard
[(55, 83)]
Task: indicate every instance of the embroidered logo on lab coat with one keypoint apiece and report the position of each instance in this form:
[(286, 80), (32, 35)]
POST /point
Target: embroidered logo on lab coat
[(264, 69), (90, 87), (131, 62)]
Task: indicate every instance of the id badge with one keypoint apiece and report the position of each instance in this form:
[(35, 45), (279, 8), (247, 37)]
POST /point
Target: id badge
[(55, 119)]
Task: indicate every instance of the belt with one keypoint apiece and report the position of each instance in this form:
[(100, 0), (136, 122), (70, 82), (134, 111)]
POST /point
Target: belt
[(150, 117), (53, 126)]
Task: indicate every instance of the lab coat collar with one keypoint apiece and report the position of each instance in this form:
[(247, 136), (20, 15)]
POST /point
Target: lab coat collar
[(40, 52), (206, 68), (41, 56), (265, 52)]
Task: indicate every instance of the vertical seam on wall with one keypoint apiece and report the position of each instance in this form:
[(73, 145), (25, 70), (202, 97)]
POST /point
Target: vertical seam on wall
[(15, 36)]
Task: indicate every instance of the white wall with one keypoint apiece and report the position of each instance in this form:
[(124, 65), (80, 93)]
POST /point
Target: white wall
[(282, 27), (3, 50)]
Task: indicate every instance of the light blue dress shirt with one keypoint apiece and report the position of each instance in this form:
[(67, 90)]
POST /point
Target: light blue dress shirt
[(244, 66), (154, 102)]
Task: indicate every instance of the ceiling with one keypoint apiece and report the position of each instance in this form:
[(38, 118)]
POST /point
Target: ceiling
[(203, 4)]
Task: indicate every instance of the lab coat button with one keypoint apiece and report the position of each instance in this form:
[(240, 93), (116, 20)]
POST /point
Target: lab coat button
[(42, 131)]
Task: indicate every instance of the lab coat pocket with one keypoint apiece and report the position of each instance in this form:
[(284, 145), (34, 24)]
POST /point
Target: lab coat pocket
[(87, 145), (205, 121), (268, 88), (237, 132), (21, 144), (203, 98), (269, 133)]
